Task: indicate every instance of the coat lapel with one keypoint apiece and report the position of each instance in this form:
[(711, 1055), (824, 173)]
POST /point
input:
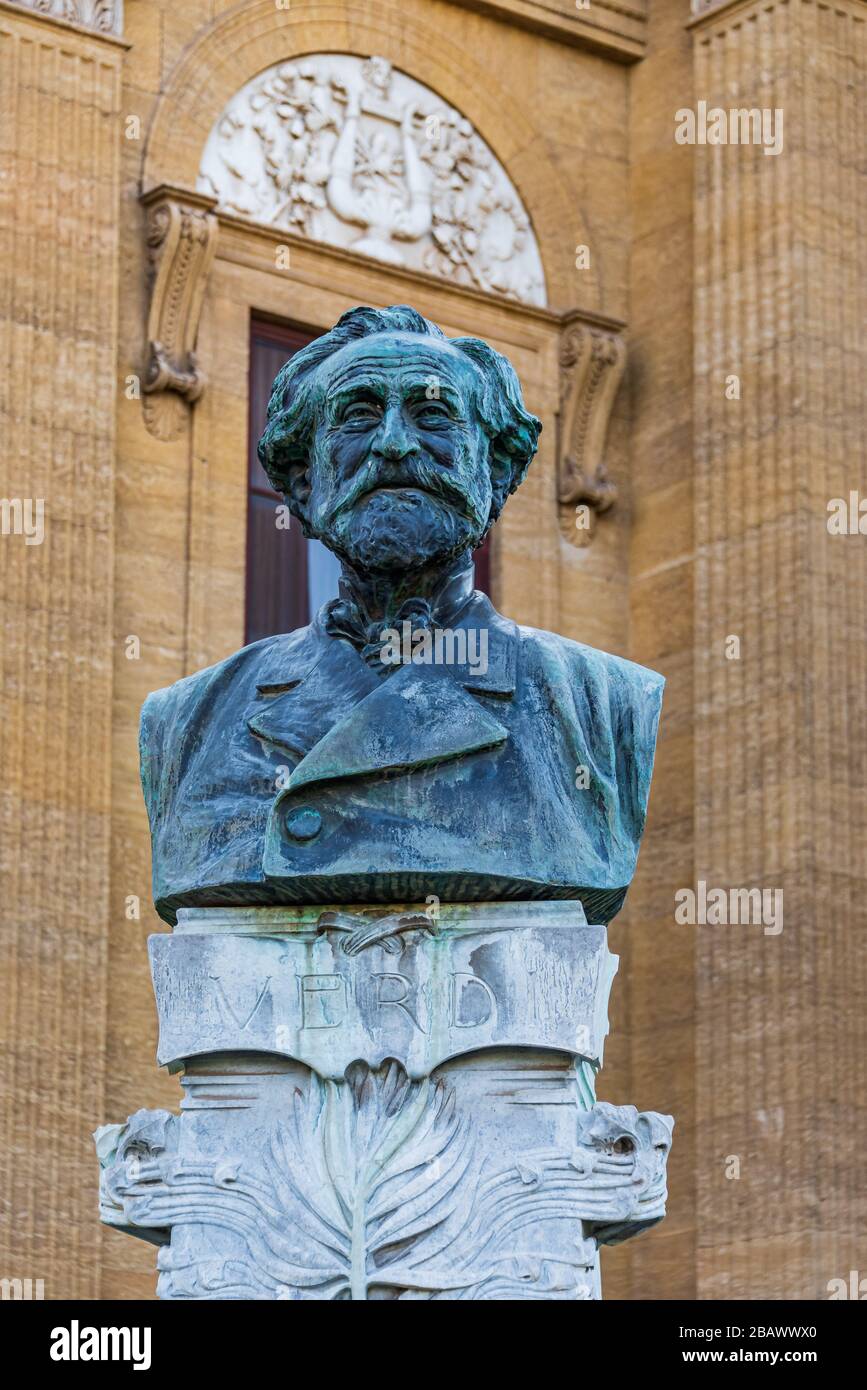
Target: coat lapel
[(316, 688), (412, 719)]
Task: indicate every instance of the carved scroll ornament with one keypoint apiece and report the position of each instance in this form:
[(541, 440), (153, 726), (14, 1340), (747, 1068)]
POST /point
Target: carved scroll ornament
[(182, 239), (592, 360)]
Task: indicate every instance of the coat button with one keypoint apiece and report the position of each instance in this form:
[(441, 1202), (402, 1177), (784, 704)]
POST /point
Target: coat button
[(302, 823)]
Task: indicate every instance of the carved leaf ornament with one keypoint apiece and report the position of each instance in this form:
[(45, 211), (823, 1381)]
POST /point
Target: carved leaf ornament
[(373, 1166), (378, 1186)]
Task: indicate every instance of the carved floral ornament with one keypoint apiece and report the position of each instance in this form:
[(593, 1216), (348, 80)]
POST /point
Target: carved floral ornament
[(357, 154), (105, 16), (382, 1183)]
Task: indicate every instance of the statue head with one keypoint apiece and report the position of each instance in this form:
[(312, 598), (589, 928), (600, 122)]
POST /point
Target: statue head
[(394, 445)]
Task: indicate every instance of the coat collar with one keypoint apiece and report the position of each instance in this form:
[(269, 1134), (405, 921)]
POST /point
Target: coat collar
[(319, 701)]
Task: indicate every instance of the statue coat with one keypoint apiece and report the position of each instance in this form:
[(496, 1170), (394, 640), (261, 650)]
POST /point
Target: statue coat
[(293, 773)]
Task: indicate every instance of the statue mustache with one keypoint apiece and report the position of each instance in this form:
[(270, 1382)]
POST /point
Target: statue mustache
[(412, 474)]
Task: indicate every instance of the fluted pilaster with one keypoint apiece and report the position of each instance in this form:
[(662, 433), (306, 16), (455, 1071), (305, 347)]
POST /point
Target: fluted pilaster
[(781, 778), (58, 275)]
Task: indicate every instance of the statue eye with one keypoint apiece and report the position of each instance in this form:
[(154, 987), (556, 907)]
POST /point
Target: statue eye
[(361, 412), (432, 413)]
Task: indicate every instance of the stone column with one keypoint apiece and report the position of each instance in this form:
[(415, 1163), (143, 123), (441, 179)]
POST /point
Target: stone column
[(60, 138), (781, 768), (384, 1104)]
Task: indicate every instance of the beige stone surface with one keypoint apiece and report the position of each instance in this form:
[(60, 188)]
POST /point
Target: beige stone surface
[(781, 1027), (717, 260), (59, 236)]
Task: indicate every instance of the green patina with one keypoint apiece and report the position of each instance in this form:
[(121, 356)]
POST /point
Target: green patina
[(521, 776)]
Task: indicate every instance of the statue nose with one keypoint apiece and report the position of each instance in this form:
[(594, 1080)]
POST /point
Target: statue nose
[(394, 440)]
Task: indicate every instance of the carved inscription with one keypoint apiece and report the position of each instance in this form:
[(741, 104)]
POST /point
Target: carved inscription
[(472, 1000), (325, 1001), (227, 1003), (308, 997)]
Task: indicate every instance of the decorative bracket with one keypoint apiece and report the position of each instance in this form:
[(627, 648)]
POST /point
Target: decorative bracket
[(182, 238), (592, 360)]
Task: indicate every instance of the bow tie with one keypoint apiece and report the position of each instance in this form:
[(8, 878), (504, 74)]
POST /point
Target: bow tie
[(344, 617)]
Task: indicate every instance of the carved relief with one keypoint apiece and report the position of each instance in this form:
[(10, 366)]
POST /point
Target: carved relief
[(378, 1186), (469, 1161), (357, 154), (591, 366), (105, 16), (181, 238), (343, 986), (360, 933)]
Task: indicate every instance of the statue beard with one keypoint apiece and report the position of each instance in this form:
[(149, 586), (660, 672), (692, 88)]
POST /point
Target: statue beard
[(396, 530)]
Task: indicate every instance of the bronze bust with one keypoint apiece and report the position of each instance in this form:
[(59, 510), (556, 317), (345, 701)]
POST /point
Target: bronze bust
[(472, 759)]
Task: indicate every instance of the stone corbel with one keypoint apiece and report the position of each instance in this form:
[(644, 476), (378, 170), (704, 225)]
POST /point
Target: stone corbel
[(181, 239), (592, 359)]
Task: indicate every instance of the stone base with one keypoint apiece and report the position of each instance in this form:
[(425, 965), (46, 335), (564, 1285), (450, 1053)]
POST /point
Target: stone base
[(401, 1107)]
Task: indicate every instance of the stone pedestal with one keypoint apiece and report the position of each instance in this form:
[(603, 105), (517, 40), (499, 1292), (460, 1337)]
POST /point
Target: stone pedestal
[(384, 1104)]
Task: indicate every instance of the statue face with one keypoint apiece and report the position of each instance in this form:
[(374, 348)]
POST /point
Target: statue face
[(398, 470)]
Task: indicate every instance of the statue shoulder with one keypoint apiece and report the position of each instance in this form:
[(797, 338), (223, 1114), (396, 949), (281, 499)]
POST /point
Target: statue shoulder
[(608, 709), (171, 715), (623, 681), (186, 693)]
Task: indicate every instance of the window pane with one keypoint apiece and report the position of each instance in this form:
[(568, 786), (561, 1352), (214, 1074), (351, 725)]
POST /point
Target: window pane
[(482, 562), (271, 346), (323, 572), (276, 571), (277, 593)]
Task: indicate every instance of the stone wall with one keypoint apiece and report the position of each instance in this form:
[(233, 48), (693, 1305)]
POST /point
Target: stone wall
[(719, 262), (59, 241), (780, 772)]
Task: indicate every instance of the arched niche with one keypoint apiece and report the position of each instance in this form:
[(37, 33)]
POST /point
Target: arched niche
[(255, 36)]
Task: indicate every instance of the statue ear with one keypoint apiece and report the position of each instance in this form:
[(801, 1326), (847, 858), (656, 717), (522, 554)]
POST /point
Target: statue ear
[(500, 466), (507, 470), (296, 488)]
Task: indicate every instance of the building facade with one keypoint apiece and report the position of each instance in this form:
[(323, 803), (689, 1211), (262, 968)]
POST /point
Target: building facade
[(188, 193)]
